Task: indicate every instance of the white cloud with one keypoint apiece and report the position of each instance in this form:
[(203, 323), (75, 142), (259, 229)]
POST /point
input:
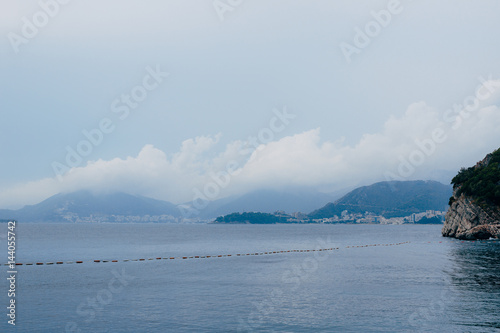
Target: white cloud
[(298, 160)]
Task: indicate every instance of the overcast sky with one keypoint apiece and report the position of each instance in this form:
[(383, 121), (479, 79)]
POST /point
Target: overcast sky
[(335, 94)]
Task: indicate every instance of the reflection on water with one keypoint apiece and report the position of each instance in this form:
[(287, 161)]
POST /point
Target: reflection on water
[(477, 267), (432, 284), (476, 284)]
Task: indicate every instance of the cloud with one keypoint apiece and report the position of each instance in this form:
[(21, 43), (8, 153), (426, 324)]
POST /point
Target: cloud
[(298, 160)]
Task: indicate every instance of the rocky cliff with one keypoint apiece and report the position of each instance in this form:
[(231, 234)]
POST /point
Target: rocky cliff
[(467, 220), (474, 211)]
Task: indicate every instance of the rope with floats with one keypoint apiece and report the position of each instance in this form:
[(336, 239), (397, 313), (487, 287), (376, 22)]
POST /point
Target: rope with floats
[(197, 256)]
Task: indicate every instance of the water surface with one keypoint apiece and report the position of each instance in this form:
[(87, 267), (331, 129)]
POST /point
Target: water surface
[(430, 284)]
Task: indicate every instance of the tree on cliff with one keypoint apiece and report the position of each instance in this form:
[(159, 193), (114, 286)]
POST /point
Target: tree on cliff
[(481, 182)]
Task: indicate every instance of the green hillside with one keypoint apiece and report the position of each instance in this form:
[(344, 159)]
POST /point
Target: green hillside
[(481, 182), (251, 218), (390, 199)]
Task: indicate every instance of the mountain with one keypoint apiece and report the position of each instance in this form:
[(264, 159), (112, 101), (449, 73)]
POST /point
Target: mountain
[(390, 199), (269, 201), (84, 206), (474, 211)]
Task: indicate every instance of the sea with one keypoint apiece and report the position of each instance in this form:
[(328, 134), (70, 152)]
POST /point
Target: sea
[(248, 278)]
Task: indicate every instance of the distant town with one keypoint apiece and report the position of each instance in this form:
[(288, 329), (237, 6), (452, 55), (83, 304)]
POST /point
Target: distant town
[(427, 217), (100, 218), (368, 217)]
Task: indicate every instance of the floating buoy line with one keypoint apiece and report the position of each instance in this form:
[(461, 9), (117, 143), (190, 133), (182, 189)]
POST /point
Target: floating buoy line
[(97, 261)]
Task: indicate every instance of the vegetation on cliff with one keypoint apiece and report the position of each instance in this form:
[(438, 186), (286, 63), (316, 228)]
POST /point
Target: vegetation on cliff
[(480, 182)]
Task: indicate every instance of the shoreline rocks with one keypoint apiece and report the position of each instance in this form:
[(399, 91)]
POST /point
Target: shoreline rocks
[(474, 211), (468, 221)]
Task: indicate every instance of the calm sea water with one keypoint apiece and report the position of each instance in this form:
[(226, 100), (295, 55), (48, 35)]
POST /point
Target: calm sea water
[(432, 284)]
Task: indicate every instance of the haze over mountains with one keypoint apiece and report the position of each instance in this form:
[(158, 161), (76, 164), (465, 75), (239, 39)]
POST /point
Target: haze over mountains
[(85, 206), (384, 198), (269, 201)]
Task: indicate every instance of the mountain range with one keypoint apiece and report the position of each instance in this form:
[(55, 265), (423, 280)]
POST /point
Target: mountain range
[(85, 206), (384, 198)]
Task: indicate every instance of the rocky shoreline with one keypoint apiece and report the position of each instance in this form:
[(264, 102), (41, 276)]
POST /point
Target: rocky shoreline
[(474, 211), (467, 220)]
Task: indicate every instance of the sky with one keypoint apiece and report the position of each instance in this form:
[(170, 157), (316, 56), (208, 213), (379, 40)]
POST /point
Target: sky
[(179, 100)]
